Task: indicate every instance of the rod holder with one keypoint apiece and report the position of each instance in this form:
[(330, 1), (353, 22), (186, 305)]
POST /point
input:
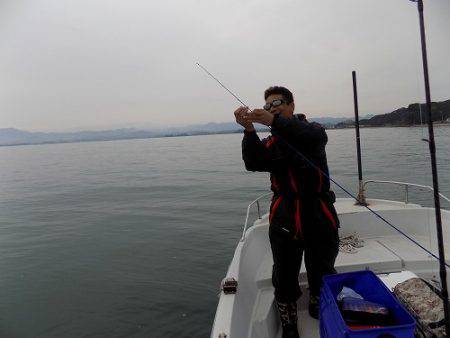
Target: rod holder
[(361, 199), (361, 195)]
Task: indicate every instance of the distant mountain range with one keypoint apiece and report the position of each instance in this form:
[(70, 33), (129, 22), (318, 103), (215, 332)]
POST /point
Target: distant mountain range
[(400, 117), (12, 136)]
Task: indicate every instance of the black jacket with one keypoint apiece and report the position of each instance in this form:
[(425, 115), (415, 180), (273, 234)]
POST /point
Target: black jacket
[(302, 196)]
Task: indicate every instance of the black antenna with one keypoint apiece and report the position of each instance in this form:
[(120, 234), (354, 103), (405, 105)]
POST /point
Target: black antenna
[(432, 146), (361, 198)]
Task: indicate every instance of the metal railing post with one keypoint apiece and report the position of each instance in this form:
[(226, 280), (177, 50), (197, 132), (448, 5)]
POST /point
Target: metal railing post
[(248, 212)]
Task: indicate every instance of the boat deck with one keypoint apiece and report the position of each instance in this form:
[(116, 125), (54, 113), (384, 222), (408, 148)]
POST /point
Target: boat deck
[(380, 254)]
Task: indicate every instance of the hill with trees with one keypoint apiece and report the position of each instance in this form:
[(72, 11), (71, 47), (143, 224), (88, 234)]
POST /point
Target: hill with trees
[(414, 114)]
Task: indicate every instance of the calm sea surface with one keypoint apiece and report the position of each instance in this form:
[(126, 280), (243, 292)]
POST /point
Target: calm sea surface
[(132, 238)]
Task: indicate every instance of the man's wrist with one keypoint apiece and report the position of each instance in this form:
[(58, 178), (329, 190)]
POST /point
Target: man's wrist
[(274, 118), (249, 130)]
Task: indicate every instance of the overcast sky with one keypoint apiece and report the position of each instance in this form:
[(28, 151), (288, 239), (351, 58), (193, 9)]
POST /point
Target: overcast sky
[(79, 64)]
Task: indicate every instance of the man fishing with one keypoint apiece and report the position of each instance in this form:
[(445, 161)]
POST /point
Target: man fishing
[(302, 216)]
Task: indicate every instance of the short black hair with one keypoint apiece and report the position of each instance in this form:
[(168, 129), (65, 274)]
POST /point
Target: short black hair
[(287, 94)]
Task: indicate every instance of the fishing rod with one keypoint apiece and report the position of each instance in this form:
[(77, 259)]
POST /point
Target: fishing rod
[(432, 147), (313, 165)]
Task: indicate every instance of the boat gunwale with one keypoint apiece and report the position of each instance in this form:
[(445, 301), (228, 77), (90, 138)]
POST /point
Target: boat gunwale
[(224, 315)]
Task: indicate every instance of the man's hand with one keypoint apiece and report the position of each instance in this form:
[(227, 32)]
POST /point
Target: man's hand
[(241, 117), (260, 116)]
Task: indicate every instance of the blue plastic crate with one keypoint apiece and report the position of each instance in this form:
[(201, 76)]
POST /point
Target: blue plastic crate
[(372, 289)]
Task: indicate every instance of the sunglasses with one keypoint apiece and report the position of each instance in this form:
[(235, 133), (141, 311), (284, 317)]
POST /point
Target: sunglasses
[(274, 103)]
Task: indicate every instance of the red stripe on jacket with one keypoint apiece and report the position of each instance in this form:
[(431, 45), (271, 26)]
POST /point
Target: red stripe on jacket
[(328, 214), (274, 208), (270, 141), (298, 221), (319, 188)]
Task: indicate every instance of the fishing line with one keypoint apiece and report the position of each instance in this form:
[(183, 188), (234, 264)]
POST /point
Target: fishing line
[(425, 140), (312, 164), (367, 207), (424, 155), (229, 91)]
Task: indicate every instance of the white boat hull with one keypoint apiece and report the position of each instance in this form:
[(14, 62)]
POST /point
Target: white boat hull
[(251, 312)]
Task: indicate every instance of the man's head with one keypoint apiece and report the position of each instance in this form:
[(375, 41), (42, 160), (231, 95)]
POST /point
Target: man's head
[(279, 100)]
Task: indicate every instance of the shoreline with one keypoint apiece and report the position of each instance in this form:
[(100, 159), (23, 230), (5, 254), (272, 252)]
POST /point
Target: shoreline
[(424, 125), (206, 133)]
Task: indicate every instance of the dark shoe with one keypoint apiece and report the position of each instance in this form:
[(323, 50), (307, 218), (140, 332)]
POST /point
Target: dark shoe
[(290, 331), (313, 307), (288, 317)]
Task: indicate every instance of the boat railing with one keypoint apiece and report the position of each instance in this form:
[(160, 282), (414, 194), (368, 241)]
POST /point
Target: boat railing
[(258, 207), (405, 185)]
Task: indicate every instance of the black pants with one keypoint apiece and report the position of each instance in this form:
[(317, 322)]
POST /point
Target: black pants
[(320, 243)]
